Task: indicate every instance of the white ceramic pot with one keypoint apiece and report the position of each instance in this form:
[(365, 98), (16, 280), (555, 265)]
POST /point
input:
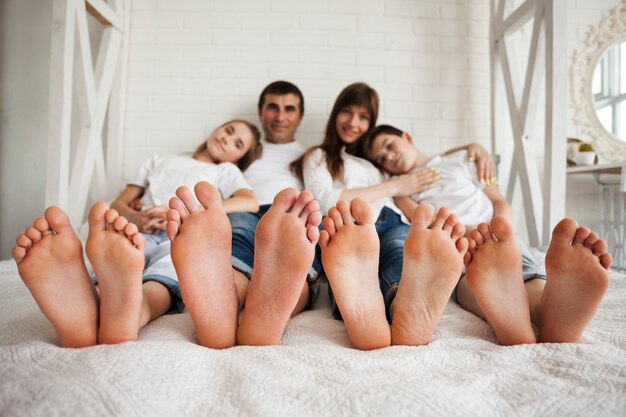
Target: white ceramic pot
[(585, 158)]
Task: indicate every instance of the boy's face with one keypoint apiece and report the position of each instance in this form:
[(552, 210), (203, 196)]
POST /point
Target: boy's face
[(395, 154), (280, 117)]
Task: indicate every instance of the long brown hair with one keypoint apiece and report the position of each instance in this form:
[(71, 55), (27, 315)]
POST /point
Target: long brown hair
[(357, 94), (254, 153)]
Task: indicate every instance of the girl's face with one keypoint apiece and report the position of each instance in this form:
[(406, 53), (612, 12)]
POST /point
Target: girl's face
[(352, 122), (229, 143)]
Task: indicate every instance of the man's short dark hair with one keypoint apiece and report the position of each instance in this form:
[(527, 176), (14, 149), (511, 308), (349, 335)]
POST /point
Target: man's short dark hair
[(281, 88)]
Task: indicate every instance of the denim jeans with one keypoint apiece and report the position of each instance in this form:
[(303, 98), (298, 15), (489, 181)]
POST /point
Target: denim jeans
[(392, 233), (244, 227)]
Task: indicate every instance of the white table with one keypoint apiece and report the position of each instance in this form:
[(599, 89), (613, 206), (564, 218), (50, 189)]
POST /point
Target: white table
[(611, 180)]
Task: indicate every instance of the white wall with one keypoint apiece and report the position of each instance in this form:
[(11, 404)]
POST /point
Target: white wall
[(24, 78), (196, 62)]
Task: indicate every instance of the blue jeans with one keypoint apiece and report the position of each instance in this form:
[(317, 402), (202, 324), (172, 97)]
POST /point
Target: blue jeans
[(244, 227), (392, 233)]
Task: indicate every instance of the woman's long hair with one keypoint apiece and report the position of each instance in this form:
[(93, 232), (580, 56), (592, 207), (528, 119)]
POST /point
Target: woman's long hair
[(357, 94)]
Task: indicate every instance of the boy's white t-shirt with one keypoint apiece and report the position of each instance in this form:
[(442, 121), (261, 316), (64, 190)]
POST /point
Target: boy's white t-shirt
[(458, 188), (270, 174), (162, 174)]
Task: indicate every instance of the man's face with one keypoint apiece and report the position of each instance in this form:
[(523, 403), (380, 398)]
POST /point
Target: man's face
[(280, 117)]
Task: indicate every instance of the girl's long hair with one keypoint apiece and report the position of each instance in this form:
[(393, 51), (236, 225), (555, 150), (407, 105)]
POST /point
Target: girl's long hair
[(357, 94)]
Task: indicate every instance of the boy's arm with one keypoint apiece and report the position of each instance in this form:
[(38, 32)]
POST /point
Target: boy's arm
[(501, 207), (242, 200), (485, 166), (406, 204)]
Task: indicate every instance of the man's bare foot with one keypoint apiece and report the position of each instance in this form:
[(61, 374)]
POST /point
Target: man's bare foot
[(494, 274), (432, 265), (115, 249), (285, 242), (201, 251), (577, 267), (350, 257), (49, 258)]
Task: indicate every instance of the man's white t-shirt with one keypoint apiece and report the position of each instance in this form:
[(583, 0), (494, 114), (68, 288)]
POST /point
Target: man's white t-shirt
[(270, 174), (162, 174), (458, 188)]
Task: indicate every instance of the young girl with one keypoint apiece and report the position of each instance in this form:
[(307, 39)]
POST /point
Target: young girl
[(136, 280)]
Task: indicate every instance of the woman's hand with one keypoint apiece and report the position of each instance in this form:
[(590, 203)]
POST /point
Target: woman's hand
[(485, 167), (414, 182)]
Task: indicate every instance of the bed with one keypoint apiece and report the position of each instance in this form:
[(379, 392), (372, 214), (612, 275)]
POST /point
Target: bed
[(313, 372)]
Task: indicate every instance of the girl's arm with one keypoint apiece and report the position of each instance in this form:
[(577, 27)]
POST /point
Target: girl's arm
[(122, 205), (242, 200), (485, 167), (400, 186), (407, 205), (501, 207)]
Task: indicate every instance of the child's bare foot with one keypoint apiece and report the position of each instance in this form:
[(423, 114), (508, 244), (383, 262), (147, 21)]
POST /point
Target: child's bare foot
[(494, 274), (115, 249), (201, 251), (285, 241), (432, 265), (49, 258), (350, 257), (577, 268)]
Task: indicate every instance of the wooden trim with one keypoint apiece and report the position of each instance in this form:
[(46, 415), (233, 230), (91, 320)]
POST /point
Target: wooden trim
[(104, 14)]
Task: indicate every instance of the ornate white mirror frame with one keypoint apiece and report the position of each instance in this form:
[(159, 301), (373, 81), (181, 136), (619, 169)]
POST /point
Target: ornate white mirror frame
[(608, 32)]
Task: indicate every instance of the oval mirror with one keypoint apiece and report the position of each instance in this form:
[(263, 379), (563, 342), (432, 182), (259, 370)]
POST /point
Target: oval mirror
[(608, 87)]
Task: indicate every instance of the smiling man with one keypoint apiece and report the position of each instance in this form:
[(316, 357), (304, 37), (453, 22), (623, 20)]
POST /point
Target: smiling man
[(276, 289)]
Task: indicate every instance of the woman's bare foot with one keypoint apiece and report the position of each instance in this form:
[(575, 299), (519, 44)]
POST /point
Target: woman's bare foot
[(350, 257), (285, 242), (432, 265), (577, 267), (494, 274), (201, 250), (115, 249), (49, 258)]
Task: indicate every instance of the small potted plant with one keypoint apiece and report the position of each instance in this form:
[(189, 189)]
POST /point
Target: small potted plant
[(586, 154)]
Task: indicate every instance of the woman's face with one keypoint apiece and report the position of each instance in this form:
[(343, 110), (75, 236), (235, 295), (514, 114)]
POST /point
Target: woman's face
[(229, 143), (352, 122)]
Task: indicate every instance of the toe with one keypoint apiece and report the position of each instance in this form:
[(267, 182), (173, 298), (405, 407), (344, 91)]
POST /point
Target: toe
[(564, 232), (467, 258), (450, 223), (485, 231), (110, 216), (312, 206), (606, 260), (458, 231), (582, 233), (344, 210), (33, 234), (329, 225), (600, 247), (314, 219), (177, 206), (97, 218), (324, 239), (440, 219), (138, 240), (130, 229), (41, 224), (18, 254), (502, 228), (591, 240), (313, 233), (462, 245), (422, 216), (285, 199), (23, 241), (303, 199), (362, 211), (208, 195), (477, 238), (334, 214), (186, 196), (58, 220), (120, 223)]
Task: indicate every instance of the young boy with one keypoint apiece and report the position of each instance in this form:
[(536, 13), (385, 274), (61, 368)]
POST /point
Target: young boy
[(560, 302)]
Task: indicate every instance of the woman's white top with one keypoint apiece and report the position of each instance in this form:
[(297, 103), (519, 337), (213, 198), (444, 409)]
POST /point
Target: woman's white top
[(358, 173)]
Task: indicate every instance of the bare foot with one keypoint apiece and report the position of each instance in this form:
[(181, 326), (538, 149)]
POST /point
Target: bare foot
[(350, 257), (285, 241), (494, 274), (201, 250), (577, 267), (49, 258), (432, 265), (115, 249)]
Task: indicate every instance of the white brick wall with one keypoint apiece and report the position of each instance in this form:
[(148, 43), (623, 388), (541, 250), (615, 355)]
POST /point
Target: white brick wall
[(197, 63)]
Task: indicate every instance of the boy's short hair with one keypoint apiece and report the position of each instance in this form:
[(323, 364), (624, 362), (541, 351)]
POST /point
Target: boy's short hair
[(281, 88), (368, 141)]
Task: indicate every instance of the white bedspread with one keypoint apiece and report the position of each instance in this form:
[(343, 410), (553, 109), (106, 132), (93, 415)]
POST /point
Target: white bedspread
[(314, 371)]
